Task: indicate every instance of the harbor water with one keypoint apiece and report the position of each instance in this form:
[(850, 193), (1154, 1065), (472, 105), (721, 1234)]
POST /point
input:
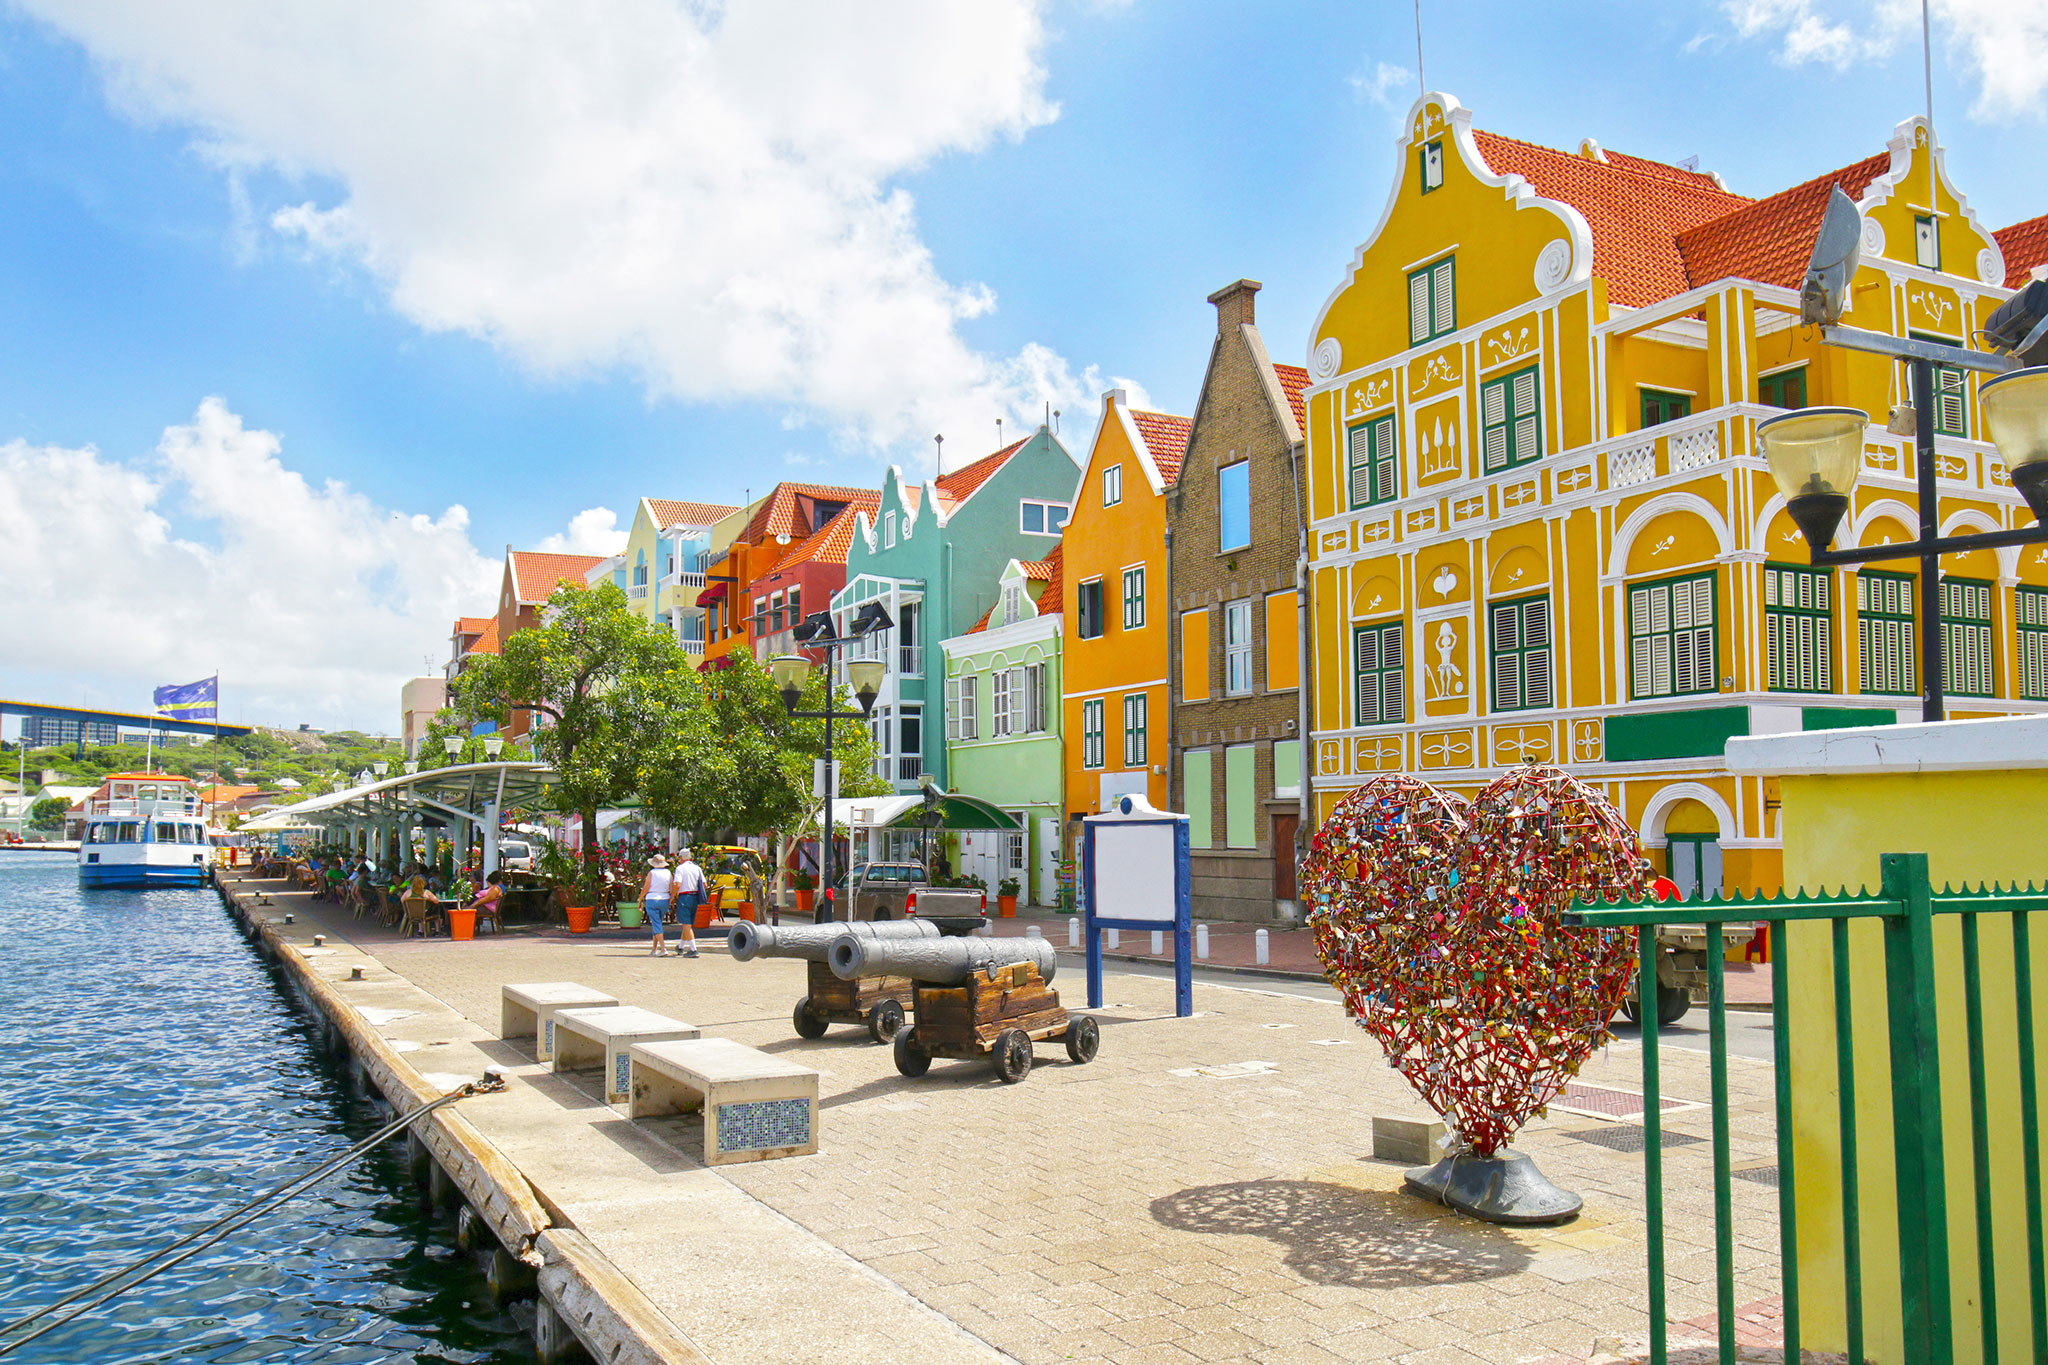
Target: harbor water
[(155, 1073)]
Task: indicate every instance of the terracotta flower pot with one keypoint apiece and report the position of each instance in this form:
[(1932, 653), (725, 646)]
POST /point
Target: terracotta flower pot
[(461, 922), (705, 914), (1006, 907), (579, 918), (805, 899)]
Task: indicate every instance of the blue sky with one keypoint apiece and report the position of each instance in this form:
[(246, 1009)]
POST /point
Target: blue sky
[(1056, 191)]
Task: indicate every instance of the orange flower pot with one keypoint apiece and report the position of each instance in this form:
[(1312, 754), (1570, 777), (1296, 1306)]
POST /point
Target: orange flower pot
[(705, 914), (805, 900), (461, 922), (1006, 907), (579, 918)]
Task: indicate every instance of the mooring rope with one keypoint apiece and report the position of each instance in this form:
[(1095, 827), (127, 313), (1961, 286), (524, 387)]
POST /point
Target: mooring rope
[(185, 1248)]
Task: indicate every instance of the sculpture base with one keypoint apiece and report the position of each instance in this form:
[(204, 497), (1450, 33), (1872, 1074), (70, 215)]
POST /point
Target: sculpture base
[(1504, 1188)]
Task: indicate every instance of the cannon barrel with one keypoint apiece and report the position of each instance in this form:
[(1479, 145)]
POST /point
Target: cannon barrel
[(812, 942), (936, 961)]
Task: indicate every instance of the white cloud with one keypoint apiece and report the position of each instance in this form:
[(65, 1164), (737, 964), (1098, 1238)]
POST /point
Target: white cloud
[(593, 531), (1386, 86), (2001, 43), (312, 603), (698, 192)]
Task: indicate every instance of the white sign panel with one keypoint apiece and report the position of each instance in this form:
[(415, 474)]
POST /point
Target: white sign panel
[(1134, 875)]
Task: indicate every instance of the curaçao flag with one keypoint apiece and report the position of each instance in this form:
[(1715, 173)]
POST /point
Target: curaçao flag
[(190, 701)]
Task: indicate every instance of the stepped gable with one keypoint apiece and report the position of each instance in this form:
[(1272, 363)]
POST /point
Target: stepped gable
[(960, 485), (1635, 207), (2025, 248)]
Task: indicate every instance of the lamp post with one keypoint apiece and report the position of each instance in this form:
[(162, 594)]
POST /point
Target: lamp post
[(451, 746), (865, 677), (493, 745), (1816, 454)]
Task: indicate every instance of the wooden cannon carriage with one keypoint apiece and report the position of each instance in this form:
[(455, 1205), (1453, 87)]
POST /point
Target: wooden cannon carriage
[(875, 1001)]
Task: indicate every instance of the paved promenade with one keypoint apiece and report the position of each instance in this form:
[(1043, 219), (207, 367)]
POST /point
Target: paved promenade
[(1202, 1192)]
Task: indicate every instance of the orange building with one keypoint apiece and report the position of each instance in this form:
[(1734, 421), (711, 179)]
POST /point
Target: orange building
[(791, 514), (1117, 717), (531, 578)]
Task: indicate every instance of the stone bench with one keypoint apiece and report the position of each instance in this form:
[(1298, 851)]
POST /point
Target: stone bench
[(527, 1010), (600, 1037), (756, 1106)]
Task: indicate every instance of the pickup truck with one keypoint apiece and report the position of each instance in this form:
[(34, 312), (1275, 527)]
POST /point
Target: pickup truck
[(883, 891)]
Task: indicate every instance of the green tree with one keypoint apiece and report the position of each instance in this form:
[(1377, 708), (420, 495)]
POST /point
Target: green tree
[(597, 678), (737, 760), (48, 813)]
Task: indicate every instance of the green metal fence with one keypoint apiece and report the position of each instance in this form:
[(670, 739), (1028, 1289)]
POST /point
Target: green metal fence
[(1906, 905)]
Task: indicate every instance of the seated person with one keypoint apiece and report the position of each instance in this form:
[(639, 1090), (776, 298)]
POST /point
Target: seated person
[(493, 892), (416, 889)]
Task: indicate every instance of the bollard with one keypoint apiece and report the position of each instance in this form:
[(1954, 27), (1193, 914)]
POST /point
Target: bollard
[(355, 973), (1109, 938), (288, 917), (1158, 942), (319, 940), (1074, 932), (1202, 942), (1260, 951), (1032, 931)]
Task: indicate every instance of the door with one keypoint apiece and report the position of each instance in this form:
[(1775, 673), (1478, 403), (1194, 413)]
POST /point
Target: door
[(1284, 827), (1696, 865), (1048, 891)]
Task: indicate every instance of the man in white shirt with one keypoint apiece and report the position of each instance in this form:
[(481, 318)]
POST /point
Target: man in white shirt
[(688, 890)]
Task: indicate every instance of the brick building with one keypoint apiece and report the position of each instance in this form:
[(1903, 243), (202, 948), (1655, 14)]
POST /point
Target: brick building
[(1234, 550)]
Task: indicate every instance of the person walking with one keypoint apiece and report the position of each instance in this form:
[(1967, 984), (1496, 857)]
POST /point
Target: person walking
[(689, 893), (656, 892)]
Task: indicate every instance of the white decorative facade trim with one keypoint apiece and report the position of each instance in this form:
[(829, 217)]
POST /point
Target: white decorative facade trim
[(1674, 501), (1327, 358), (1553, 266), (1666, 798), (1940, 746)]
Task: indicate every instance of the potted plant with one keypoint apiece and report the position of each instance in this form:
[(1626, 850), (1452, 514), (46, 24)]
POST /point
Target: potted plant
[(560, 868), (1006, 898), (806, 890)]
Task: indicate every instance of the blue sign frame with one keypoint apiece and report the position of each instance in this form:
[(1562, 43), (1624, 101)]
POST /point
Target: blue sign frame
[(1183, 907)]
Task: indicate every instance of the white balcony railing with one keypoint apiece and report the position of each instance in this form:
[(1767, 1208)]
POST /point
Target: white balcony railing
[(637, 593), (909, 767), (910, 661)]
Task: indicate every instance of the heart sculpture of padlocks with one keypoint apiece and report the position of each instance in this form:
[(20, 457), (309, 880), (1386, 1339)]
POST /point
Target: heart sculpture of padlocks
[(1439, 921)]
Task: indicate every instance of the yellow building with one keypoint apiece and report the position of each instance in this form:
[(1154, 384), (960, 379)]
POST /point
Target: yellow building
[(1539, 525), (1116, 719), (662, 567)]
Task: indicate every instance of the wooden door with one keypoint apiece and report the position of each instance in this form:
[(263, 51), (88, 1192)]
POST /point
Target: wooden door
[(1284, 827)]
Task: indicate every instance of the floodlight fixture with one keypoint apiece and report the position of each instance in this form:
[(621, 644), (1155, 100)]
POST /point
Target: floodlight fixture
[(815, 629), (1837, 252), (871, 618), (2019, 326)]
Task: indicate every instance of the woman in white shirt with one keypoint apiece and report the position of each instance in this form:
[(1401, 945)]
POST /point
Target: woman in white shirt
[(655, 895)]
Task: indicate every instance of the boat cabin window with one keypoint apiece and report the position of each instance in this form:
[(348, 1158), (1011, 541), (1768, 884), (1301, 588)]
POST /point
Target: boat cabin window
[(128, 834), (94, 834)]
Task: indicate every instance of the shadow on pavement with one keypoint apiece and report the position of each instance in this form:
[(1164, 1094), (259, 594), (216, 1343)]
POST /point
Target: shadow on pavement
[(1335, 1234)]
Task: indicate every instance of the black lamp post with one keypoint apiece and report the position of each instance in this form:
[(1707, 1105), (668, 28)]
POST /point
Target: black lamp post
[(865, 676), (1816, 454)]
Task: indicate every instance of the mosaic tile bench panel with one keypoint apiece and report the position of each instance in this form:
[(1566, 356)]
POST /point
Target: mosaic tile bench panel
[(756, 1125)]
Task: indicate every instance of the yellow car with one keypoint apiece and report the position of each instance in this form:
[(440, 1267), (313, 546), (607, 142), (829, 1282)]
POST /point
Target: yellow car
[(729, 868)]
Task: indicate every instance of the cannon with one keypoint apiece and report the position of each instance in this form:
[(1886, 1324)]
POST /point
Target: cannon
[(975, 997), (874, 1000)]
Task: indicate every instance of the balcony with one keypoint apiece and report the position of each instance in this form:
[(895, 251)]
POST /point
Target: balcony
[(637, 593), (910, 660), (683, 580), (909, 767)]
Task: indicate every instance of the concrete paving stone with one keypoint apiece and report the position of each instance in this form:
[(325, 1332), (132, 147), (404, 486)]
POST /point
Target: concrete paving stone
[(1362, 1346), (1443, 1355), (1219, 1346), (1157, 1353)]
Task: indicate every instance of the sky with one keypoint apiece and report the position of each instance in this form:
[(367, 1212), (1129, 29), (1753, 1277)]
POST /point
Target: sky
[(308, 311)]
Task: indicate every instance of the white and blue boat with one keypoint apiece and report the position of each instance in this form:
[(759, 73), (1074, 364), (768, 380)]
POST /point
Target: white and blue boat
[(144, 829)]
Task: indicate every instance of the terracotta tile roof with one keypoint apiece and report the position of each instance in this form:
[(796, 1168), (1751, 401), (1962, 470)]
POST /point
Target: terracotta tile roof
[(1771, 240), (222, 792), (536, 575), (1636, 209), (1294, 381), (668, 512), (958, 486), (829, 545), (472, 625), (487, 642), (1051, 599), (782, 512), (2025, 246), (1166, 437)]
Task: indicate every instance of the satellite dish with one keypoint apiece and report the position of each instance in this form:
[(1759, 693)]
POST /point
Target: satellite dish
[(1837, 251), (782, 540)]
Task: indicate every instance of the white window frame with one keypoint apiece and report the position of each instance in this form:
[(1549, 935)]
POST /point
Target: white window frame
[(961, 721), (888, 529), (1013, 603), (1136, 727), (1034, 699), (1112, 485), (1237, 648), (1049, 511), (1091, 732), (1002, 703), (1236, 468), (1130, 622)]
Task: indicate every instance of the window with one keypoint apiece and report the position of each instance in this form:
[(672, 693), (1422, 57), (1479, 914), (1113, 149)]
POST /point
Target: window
[(1034, 698), (1013, 603), (796, 613), (1927, 241), (775, 611), (1371, 456), (1432, 165), (1884, 631), (1041, 518), (1785, 389), (1237, 647), (760, 616), (1134, 597), (640, 570), (888, 529), (1511, 429), (1432, 302), (1240, 811), (2030, 609), (1671, 637), (961, 721), (1798, 629), (1660, 406), (1112, 485), (1134, 730), (1521, 653), (1088, 609), (1382, 678), (1005, 692), (911, 732), (1091, 733), (1196, 799), (1234, 506), (1966, 637), (1951, 393)]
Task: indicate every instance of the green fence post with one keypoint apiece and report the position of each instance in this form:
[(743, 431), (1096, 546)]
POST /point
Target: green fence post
[(1980, 1143), (2030, 1129), (1653, 1133), (1845, 1117), (1916, 1111), (1788, 1205)]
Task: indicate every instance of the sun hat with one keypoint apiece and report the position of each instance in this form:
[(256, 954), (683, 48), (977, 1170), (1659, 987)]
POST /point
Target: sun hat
[(658, 861)]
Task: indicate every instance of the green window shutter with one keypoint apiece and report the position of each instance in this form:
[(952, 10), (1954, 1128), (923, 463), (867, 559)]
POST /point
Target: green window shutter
[(1522, 655), (1371, 453), (1671, 637), (1432, 165), (1951, 402), (1660, 407), (1418, 308), (1511, 425), (1785, 389), (1798, 629), (1432, 302), (1383, 461), (1240, 821), (1966, 650), (1381, 675), (2030, 610), (1493, 423), (1884, 632), (1443, 285)]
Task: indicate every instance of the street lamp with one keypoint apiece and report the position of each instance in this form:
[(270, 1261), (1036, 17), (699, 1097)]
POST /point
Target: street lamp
[(412, 765), (2016, 410), (380, 767), (789, 671), (452, 746), (492, 746)]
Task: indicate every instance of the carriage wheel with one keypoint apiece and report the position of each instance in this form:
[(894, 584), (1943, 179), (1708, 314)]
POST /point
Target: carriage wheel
[(1084, 1036), (808, 1024), (911, 1059), (1012, 1055)]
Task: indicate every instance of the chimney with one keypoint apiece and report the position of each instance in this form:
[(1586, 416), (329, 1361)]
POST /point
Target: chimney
[(1234, 305)]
